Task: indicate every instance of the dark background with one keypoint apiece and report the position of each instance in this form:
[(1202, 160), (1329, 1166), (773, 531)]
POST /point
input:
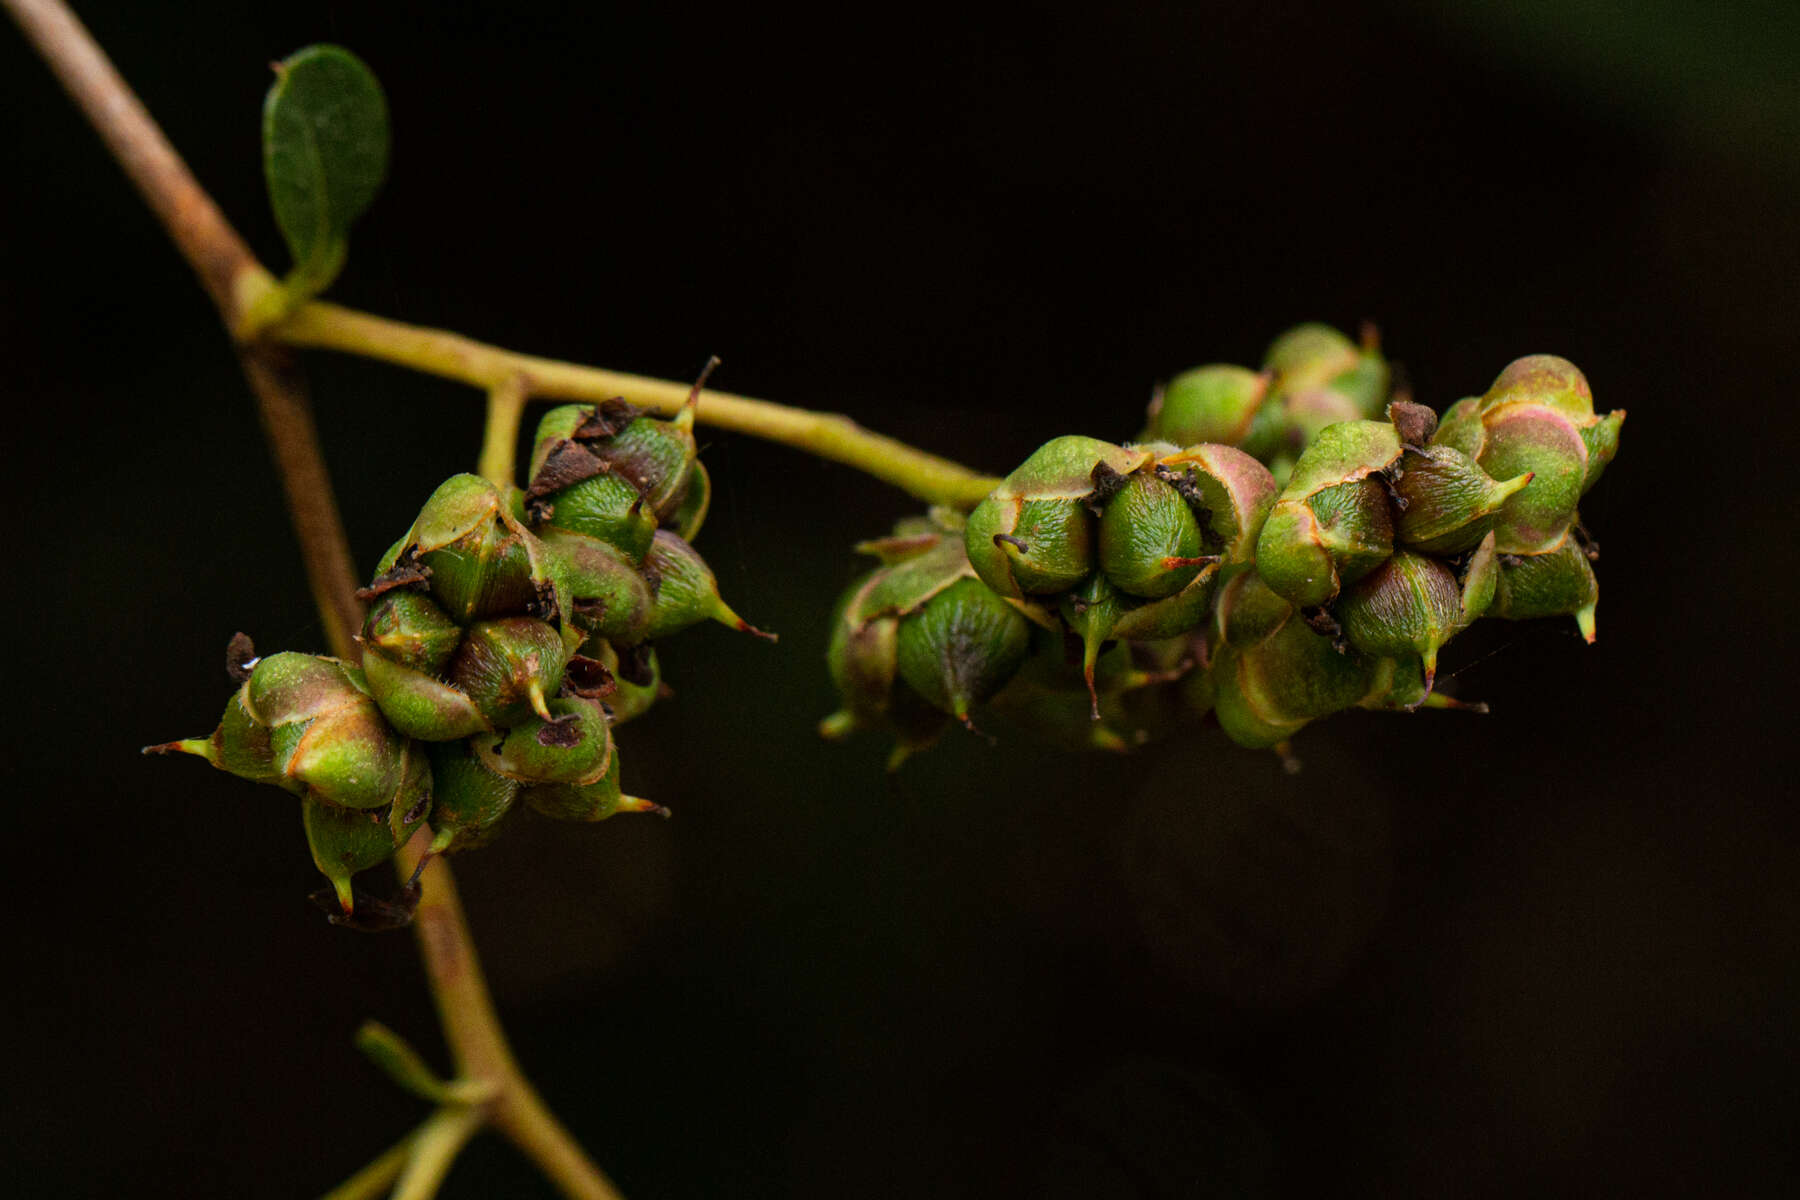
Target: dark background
[(1546, 952)]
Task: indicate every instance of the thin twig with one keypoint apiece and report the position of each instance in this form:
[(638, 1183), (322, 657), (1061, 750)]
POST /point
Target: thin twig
[(324, 326)]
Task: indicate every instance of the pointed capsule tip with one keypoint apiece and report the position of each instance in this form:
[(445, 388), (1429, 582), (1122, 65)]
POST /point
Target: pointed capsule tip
[(535, 690), (1087, 673), (637, 804), (198, 747), (346, 895), (1584, 620), (742, 626)]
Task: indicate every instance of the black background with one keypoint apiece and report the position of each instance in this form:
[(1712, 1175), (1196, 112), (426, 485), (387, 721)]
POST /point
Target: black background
[(1545, 952)]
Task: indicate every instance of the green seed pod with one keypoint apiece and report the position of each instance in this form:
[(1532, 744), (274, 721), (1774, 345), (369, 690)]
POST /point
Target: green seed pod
[(418, 704), (610, 472), (1033, 535), (684, 592), (1215, 403), (510, 668), (1537, 418), (468, 800), (861, 656), (239, 746), (477, 560), (1602, 442), (1332, 523), (1558, 582), (575, 746), (1265, 693), (1450, 502), (1314, 356), (1149, 541), (408, 628), (1408, 606), (346, 840), (962, 646), (1232, 489), (1248, 612), (325, 733), (690, 512), (606, 591)]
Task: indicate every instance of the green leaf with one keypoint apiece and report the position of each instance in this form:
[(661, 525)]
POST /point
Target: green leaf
[(325, 153)]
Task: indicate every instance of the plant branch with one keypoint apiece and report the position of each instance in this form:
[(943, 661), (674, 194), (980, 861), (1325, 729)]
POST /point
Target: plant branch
[(320, 325), (377, 1178), (500, 439), (476, 1040), (231, 276), (434, 1147)]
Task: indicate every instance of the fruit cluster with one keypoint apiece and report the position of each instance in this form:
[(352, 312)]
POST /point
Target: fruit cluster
[(1281, 545), (507, 633)]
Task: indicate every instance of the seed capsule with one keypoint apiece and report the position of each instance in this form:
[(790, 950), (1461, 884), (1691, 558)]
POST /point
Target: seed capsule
[(1149, 541), (1332, 523), (607, 593), (1407, 607), (468, 549), (345, 841), (1315, 356), (574, 487), (690, 512), (468, 800), (325, 733), (1265, 693), (501, 673), (962, 646), (573, 746), (1450, 502), (1034, 534), (1216, 403), (1537, 418), (684, 592), (1558, 582)]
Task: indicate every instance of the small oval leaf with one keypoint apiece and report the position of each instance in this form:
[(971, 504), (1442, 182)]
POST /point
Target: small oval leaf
[(325, 153)]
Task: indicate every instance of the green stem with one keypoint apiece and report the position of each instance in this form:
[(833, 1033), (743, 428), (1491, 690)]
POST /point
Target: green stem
[(832, 436), (434, 1148), (500, 439), (477, 1041), (375, 1180)]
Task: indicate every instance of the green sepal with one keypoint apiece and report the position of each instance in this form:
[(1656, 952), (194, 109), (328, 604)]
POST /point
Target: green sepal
[(684, 591), (591, 800), (962, 646), (468, 800)]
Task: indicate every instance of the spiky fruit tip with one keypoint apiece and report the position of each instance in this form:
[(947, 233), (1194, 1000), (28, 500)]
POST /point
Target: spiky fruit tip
[(1584, 619), (637, 804)]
